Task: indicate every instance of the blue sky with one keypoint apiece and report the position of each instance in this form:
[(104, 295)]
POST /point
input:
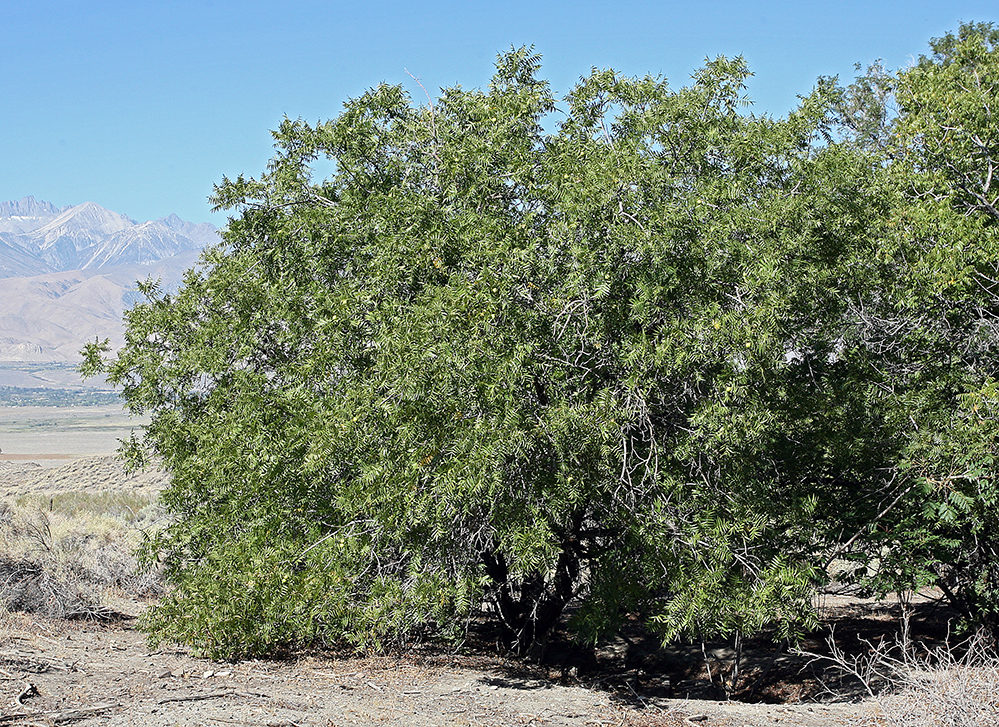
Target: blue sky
[(142, 107)]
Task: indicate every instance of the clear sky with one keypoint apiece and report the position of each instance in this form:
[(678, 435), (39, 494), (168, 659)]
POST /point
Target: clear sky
[(142, 106)]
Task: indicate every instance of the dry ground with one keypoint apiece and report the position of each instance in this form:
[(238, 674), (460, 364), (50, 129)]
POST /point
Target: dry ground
[(53, 435), (56, 672)]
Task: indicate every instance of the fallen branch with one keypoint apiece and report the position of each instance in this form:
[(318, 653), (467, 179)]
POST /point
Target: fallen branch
[(68, 715), (197, 697), (212, 695)]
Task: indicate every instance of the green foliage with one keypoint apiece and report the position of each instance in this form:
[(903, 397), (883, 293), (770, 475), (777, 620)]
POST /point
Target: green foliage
[(928, 324), (948, 123), (664, 359)]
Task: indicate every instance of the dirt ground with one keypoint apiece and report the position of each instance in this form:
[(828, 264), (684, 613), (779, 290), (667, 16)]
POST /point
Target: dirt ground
[(59, 672), (56, 672)]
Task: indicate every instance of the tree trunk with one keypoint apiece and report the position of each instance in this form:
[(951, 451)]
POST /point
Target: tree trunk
[(531, 608)]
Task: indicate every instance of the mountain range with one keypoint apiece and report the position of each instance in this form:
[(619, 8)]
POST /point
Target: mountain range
[(67, 274)]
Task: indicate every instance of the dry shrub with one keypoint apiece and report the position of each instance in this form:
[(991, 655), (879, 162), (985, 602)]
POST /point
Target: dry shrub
[(945, 689), (28, 586), (69, 558), (954, 685)]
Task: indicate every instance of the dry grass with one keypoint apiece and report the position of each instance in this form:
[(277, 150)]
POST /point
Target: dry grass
[(954, 685), (72, 555), (946, 690)]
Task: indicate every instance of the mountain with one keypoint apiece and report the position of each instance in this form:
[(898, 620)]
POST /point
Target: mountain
[(87, 236), (25, 215), (15, 261), (66, 275), (50, 317)]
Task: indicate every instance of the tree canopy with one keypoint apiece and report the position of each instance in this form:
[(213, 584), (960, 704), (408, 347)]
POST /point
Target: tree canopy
[(929, 325), (668, 358)]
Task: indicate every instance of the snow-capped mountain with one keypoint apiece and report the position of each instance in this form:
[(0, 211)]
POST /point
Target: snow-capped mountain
[(87, 236), (67, 274), (25, 215)]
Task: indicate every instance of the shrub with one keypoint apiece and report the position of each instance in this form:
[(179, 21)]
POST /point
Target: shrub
[(72, 563)]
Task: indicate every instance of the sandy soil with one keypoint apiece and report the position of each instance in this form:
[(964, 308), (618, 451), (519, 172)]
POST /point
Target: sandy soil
[(51, 436), (56, 672), (99, 473)]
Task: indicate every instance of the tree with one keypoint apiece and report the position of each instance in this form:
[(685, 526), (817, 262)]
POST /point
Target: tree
[(482, 363), (927, 328)]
